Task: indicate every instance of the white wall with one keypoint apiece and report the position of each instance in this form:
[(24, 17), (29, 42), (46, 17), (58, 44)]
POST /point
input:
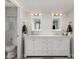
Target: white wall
[(46, 23), (71, 18)]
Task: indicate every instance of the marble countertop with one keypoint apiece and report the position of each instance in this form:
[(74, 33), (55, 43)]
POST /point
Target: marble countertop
[(49, 36)]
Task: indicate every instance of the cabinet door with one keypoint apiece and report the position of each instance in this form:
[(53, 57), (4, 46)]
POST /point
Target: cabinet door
[(64, 44), (29, 44), (58, 47), (58, 44), (51, 44), (44, 46), (61, 44), (37, 44), (54, 44), (37, 47)]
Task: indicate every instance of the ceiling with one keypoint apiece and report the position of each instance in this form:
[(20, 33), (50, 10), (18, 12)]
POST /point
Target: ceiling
[(46, 6)]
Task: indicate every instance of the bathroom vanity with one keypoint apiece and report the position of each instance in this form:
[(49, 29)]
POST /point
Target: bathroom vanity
[(38, 44), (47, 45)]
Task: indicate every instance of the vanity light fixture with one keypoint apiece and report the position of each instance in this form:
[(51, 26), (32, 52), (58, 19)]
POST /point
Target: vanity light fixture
[(32, 14), (56, 14), (40, 14), (61, 14), (36, 14)]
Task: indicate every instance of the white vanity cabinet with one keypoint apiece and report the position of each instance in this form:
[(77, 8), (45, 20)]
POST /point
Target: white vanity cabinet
[(47, 46), (58, 46)]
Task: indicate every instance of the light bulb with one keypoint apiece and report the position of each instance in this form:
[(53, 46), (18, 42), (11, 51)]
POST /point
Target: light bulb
[(32, 14), (56, 14), (61, 14), (36, 14), (39, 14)]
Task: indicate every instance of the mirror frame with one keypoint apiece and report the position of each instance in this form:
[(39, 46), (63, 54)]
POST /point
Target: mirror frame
[(60, 22)]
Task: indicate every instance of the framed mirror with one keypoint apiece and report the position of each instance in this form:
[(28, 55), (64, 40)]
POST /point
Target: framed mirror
[(57, 23), (36, 23)]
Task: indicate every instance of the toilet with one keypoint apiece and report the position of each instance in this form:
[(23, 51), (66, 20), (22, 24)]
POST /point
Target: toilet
[(10, 46), (11, 51)]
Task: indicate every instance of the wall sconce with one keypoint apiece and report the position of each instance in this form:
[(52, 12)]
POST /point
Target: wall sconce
[(57, 14)]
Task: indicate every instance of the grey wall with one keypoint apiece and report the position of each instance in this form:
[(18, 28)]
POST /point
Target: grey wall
[(10, 11), (10, 25)]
